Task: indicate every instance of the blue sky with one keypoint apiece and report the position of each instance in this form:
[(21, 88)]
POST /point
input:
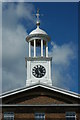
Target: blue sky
[(60, 21)]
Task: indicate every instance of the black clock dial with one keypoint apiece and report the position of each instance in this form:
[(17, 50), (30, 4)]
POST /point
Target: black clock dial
[(38, 71)]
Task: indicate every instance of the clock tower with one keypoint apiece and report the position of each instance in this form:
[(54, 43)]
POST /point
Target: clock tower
[(38, 63)]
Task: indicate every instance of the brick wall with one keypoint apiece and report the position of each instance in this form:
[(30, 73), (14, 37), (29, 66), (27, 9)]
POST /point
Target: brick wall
[(41, 100), (48, 116)]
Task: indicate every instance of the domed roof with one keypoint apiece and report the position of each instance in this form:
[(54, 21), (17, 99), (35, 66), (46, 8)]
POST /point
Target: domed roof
[(38, 31)]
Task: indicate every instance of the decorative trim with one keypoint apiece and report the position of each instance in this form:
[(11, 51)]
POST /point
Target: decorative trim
[(38, 58), (43, 105), (38, 35), (39, 84)]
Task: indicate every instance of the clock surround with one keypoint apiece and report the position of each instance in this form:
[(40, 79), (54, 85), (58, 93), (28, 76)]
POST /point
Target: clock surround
[(38, 71)]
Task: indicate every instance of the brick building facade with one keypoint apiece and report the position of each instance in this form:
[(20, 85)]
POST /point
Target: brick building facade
[(39, 99)]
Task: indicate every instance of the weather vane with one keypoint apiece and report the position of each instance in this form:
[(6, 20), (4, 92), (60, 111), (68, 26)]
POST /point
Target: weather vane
[(37, 15)]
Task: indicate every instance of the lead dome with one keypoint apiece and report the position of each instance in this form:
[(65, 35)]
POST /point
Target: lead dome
[(38, 31)]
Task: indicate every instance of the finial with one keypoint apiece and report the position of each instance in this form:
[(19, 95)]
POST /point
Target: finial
[(38, 21), (37, 15)]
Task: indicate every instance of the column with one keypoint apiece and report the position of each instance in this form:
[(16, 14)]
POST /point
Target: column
[(41, 48), (29, 49), (46, 49), (34, 48)]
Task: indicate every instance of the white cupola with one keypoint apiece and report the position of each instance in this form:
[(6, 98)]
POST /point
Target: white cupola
[(38, 38), (38, 67)]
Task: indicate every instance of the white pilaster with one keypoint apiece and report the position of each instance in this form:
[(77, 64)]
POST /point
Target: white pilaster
[(46, 49), (34, 48), (41, 48), (29, 49), (49, 70)]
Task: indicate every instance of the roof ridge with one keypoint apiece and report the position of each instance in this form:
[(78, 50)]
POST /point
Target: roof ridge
[(60, 90)]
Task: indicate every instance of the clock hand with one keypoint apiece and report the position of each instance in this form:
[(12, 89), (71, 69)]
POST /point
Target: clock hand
[(39, 71)]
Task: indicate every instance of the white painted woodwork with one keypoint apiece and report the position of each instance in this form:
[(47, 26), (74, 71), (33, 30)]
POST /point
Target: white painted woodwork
[(34, 48), (41, 48), (46, 49), (29, 49)]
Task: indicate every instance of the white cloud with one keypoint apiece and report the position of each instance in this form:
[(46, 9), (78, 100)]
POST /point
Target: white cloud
[(14, 12), (14, 78), (14, 46), (62, 59), (14, 43), (63, 54)]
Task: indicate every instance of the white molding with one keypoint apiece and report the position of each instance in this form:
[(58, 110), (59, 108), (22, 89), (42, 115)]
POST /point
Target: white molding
[(29, 49), (69, 93), (36, 36), (38, 59), (26, 105)]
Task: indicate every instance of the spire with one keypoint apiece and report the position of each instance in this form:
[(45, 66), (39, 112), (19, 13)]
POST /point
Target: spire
[(38, 21)]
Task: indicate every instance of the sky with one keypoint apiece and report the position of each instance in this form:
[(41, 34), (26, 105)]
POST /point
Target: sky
[(60, 21)]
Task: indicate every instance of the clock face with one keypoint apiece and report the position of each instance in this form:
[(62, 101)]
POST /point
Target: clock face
[(38, 71)]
